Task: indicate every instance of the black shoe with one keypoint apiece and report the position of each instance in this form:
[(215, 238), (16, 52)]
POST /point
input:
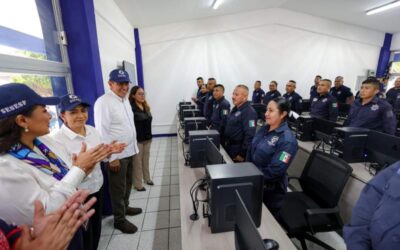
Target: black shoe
[(133, 210), (140, 189), (126, 227), (151, 183)]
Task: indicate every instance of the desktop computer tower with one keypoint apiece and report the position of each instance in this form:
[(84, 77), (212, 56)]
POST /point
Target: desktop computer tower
[(349, 143), (224, 179), (193, 123), (304, 131), (198, 144), (185, 107), (190, 113)]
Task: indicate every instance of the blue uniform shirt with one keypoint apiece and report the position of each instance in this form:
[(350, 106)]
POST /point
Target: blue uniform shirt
[(271, 95), (377, 115), (200, 102), (375, 222), (396, 104), (208, 104), (392, 95), (272, 152), (341, 94), (313, 92), (240, 129), (220, 112), (258, 95), (296, 102), (324, 107)]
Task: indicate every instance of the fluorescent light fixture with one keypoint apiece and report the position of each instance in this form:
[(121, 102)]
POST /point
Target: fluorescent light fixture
[(216, 4), (384, 7)]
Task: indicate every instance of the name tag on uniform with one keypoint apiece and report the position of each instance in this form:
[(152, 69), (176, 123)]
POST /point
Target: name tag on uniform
[(274, 94), (375, 107), (339, 92), (325, 100), (315, 99), (273, 141), (217, 106), (285, 157), (237, 113), (290, 98), (225, 112), (252, 123)]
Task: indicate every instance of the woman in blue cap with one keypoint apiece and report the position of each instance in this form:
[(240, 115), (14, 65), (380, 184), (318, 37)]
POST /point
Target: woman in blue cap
[(32, 166)]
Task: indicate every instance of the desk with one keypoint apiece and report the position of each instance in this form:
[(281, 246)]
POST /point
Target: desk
[(359, 177), (197, 234)]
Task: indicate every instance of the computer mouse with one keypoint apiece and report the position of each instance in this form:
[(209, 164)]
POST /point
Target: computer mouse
[(271, 244)]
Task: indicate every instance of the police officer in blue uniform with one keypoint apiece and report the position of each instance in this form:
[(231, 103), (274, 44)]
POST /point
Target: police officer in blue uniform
[(200, 82), (221, 108), (202, 99), (313, 89), (296, 101), (375, 221), (324, 105), (342, 93), (272, 93), (394, 93), (370, 111), (258, 93), (240, 125), (272, 150), (208, 104)]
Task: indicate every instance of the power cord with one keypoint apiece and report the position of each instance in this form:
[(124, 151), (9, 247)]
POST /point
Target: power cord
[(194, 196)]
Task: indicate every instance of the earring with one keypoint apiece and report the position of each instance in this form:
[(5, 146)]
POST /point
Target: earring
[(26, 130)]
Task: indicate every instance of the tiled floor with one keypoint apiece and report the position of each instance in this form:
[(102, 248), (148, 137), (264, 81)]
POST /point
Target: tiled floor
[(159, 225)]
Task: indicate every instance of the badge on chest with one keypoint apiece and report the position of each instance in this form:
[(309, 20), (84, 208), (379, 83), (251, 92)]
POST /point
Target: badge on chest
[(273, 140)]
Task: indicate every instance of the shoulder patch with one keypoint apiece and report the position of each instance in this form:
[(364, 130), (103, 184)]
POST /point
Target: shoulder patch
[(285, 157), (334, 105), (252, 124)]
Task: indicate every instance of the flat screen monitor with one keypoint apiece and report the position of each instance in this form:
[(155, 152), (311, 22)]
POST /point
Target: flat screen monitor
[(306, 105), (344, 109), (213, 154), (382, 148), (260, 110), (323, 129)]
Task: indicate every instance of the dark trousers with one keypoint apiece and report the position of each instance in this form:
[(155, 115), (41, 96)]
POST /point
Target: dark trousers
[(274, 193), (91, 235), (120, 185), (76, 242)]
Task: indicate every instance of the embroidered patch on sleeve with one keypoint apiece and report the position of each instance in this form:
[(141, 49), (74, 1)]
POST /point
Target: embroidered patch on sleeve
[(334, 105), (252, 123), (285, 157)]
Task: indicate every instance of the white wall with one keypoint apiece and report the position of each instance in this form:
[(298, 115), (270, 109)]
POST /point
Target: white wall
[(395, 42), (115, 37), (271, 44)]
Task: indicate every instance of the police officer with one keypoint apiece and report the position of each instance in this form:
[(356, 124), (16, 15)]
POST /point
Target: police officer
[(240, 125), (296, 101), (324, 105), (208, 104), (272, 93), (394, 93), (313, 89), (200, 82), (221, 108), (258, 93), (342, 93), (375, 221), (202, 99), (370, 111), (272, 150)]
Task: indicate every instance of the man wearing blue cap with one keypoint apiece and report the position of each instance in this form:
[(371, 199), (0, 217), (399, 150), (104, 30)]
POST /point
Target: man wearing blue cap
[(114, 121)]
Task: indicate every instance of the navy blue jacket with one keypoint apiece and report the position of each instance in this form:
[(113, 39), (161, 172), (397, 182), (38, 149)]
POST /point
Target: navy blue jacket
[(271, 95), (258, 96), (392, 95), (377, 115), (219, 115), (341, 94), (208, 104), (375, 222), (200, 102), (324, 107), (296, 102), (240, 129), (313, 92)]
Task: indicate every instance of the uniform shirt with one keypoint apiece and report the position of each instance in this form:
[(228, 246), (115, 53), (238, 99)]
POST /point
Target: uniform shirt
[(324, 107), (377, 115), (392, 95), (72, 142), (375, 221), (220, 112), (208, 104), (258, 96), (396, 105), (341, 94), (143, 121), (271, 95), (240, 129), (200, 102), (313, 92), (273, 151), (113, 117), (296, 101), (22, 184)]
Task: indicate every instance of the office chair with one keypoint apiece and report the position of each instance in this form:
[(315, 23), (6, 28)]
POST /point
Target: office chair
[(315, 208)]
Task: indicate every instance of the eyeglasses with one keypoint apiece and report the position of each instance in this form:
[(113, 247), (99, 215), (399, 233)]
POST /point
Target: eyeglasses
[(141, 94)]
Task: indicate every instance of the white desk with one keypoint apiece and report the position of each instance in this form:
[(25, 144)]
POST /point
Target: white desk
[(197, 234)]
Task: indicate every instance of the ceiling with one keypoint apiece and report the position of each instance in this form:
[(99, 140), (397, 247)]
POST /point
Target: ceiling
[(144, 13)]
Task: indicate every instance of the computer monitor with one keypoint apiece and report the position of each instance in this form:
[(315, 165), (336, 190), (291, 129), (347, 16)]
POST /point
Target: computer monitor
[(306, 105), (323, 129), (382, 148), (260, 109), (213, 154), (343, 109)]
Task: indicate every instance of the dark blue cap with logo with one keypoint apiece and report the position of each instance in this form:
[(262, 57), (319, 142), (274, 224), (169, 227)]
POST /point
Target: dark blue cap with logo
[(70, 101), (119, 76), (16, 98)]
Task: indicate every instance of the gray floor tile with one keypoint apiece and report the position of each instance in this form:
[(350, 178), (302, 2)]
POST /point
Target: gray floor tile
[(157, 204), (156, 220), (162, 172), (175, 242), (137, 220), (124, 242), (159, 165), (174, 218), (161, 180), (154, 240), (174, 179), (174, 190), (103, 242), (159, 191), (139, 195), (174, 202), (138, 203), (174, 170)]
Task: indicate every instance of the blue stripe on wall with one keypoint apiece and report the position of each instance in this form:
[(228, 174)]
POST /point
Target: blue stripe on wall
[(22, 41), (139, 62), (384, 56)]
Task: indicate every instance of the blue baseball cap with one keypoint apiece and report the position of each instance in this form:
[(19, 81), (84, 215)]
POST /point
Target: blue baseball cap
[(119, 76), (16, 98), (70, 101)]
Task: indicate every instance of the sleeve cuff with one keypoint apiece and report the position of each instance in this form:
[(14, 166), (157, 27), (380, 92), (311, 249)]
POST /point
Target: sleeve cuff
[(74, 177)]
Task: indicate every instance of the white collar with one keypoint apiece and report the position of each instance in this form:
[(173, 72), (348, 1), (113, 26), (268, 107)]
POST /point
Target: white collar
[(118, 97), (71, 134)]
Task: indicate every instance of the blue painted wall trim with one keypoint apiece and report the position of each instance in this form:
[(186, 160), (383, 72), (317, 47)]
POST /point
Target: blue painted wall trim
[(384, 56), (80, 26), (139, 62), (22, 41)]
